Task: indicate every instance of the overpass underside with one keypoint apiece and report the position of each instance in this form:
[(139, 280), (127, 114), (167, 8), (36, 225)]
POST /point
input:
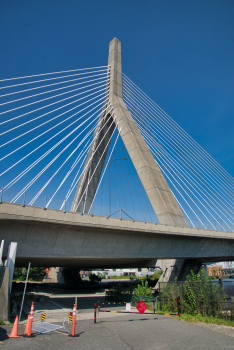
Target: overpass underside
[(53, 238)]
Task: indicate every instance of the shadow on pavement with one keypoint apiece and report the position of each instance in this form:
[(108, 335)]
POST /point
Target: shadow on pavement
[(3, 334), (117, 320)]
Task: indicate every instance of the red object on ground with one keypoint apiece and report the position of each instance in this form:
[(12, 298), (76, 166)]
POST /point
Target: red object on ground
[(47, 271), (141, 307)]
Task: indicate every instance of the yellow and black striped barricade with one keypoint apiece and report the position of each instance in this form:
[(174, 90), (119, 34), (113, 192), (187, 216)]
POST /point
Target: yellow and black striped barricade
[(70, 317), (43, 316), (119, 311), (171, 313)]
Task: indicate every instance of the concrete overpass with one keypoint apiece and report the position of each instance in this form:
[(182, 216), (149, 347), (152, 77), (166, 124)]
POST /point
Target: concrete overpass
[(54, 238)]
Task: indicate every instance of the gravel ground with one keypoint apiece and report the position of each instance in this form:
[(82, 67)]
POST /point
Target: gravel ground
[(227, 330)]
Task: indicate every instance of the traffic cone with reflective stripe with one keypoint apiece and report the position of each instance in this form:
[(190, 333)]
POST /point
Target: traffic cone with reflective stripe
[(14, 332), (74, 323), (29, 330)]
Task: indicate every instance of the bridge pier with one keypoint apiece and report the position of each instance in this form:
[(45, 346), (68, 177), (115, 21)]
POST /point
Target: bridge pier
[(177, 268), (4, 294)]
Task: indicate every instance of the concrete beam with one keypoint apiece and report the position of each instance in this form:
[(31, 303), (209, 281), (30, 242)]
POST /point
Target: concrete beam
[(53, 238)]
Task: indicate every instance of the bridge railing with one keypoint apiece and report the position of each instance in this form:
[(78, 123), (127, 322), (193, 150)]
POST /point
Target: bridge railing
[(120, 213)]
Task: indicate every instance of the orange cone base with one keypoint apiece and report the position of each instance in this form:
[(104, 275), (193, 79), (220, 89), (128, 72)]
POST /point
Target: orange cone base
[(76, 335), (13, 336), (28, 336)]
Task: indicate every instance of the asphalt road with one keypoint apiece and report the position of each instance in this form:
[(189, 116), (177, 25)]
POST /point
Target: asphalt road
[(125, 332)]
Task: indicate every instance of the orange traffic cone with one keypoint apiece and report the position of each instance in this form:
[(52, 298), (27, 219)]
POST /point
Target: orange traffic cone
[(14, 332), (74, 323), (26, 327), (29, 323)]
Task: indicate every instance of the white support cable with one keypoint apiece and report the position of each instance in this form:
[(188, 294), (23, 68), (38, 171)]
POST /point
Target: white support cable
[(184, 164), (188, 195), (61, 88), (58, 83), (201, 189), (31, 120), (190, 140), (85, 149), (83, 172), (219, 200), (159, 135), (65, 71), (48, 98), (74, 183), (56, 172), (158, 149), (51, 162), (174, 135), (183, 209), (105, 166), (182, 172), (63, 121), (83, 153), (187, 136), (52, 136), (72, 167), (46, 153)]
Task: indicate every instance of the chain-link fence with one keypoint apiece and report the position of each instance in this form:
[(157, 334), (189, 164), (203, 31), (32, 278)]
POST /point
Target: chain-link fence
[(208, 298)]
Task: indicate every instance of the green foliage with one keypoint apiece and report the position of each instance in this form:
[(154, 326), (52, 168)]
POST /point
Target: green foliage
[(156, 275), (205, 319), (35, 273), (143, 290), (2, 322), (190, 300), (198, 295), (94, 278)]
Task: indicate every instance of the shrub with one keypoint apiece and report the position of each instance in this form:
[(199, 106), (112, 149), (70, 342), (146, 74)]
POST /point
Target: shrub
[(143, 290), (94, 278)]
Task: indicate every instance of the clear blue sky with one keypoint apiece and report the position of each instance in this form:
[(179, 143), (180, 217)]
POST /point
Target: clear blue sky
[(180, 53)]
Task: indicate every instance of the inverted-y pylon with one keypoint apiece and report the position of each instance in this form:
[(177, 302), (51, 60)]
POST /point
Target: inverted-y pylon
[(159, 193)]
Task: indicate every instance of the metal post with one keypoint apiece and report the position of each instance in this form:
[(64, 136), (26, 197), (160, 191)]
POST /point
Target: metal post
[(64, 210), (1, 196), (178, 304), (45, 202), (25, 286), (23, 205), (95, 312), (109, 189)]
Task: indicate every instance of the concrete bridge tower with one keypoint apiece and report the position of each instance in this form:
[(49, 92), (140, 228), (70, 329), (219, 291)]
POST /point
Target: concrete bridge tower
[(159, 193)]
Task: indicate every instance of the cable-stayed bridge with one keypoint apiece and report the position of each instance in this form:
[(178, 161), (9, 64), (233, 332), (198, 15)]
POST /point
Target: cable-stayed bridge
[(86, 152)]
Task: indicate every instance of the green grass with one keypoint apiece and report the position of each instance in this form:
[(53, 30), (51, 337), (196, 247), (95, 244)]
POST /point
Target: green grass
[(205, 319), (2, 322)]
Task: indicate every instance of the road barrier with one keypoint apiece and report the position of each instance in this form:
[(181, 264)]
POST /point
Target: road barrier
[(43, 316), (70, 317), (152, 300)]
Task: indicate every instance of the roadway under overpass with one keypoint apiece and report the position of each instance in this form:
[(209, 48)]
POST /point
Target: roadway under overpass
[(54, 238)]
